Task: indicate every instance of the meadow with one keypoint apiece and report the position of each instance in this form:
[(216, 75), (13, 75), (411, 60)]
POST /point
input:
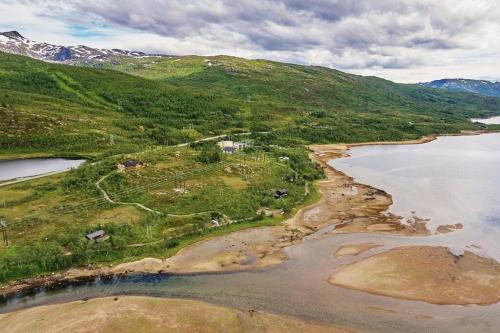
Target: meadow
[(191, 198)]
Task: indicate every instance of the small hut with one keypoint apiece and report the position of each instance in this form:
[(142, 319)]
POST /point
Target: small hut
[(97, 235), (281, 193)]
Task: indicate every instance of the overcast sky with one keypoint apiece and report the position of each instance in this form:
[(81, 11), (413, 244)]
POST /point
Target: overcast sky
[(401, 40)]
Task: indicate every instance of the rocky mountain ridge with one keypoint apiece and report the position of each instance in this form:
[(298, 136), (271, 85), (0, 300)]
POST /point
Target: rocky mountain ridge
[(482, 87), (14, 42)]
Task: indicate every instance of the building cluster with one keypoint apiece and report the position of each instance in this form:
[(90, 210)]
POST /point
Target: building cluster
[(231, 147)]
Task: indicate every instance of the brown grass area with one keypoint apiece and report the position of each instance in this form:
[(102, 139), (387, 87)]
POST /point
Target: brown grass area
[(120, 214), (235, 182)]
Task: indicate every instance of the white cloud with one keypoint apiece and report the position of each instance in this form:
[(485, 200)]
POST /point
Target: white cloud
[(403, 40)]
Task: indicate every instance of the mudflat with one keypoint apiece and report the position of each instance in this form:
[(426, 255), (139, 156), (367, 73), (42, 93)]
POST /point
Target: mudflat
[(354, 249), (426, 273), (145, 314)]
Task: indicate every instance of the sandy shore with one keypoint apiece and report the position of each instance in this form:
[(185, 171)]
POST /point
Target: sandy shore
[(145, 314), (431, 274), (354, 249)]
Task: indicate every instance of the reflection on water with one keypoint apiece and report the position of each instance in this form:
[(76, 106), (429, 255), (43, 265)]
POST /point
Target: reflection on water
[(32, 167), (451, 180)]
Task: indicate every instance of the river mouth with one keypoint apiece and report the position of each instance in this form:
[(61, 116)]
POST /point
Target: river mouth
[(298, 287), (286, 289), (25, 168)]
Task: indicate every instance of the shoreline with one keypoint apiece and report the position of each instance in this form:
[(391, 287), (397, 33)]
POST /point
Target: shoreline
[(264, 246), (146, 314)]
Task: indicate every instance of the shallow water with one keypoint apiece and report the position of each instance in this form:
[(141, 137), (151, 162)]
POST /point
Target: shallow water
[(12, 169), (296, 288), (453, 179)]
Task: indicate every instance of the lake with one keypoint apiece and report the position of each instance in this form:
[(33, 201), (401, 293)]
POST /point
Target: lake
[(12, 169), (454, 179), (488, 121)]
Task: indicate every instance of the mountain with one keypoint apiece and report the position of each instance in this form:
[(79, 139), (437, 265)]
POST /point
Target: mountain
[(482, 87), (14, 42)]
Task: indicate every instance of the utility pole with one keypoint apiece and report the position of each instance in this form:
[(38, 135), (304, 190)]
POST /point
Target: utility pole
[(3, 226)]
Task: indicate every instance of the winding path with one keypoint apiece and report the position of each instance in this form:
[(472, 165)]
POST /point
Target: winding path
[(108, 198)]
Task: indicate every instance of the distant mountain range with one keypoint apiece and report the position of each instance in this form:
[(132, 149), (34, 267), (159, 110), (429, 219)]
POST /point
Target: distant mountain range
[(482, 87), (14, 42)]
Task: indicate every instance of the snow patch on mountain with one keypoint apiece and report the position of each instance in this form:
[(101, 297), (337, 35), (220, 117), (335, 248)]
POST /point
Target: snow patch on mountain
[(482, 87), (14, 42)]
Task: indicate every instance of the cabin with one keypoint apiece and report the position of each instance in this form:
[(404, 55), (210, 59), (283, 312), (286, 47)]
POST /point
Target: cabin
[(280, 193), (240, 145), (284, 158), (225, 143), (96, 235), (229, 150), (130, 164)]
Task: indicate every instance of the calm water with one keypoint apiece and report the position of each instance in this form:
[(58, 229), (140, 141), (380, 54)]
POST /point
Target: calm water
[(489, 121), (32, 167), (451, 180)]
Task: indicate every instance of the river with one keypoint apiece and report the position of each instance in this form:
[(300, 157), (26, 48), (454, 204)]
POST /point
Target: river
[(21, 168)]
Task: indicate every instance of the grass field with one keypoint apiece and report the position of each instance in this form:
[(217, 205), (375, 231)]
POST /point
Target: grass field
[(49, 217)]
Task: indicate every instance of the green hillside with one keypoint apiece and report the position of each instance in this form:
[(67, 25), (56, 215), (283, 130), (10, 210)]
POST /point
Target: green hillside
[(316, 103), (67, 109), (59, 109)]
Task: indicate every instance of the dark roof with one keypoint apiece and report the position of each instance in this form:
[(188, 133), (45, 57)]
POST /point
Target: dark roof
[(229, 149), (96, 234), (131, 163), (281, 193)]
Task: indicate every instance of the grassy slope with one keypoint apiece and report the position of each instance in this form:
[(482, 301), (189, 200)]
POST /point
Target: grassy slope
[(66, 109), (60, 109), (317, 104)]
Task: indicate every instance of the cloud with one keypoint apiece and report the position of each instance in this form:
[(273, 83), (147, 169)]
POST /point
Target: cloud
[(362, 36)]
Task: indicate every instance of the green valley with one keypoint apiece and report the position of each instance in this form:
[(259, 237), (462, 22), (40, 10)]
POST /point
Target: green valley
[(144, 109)]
